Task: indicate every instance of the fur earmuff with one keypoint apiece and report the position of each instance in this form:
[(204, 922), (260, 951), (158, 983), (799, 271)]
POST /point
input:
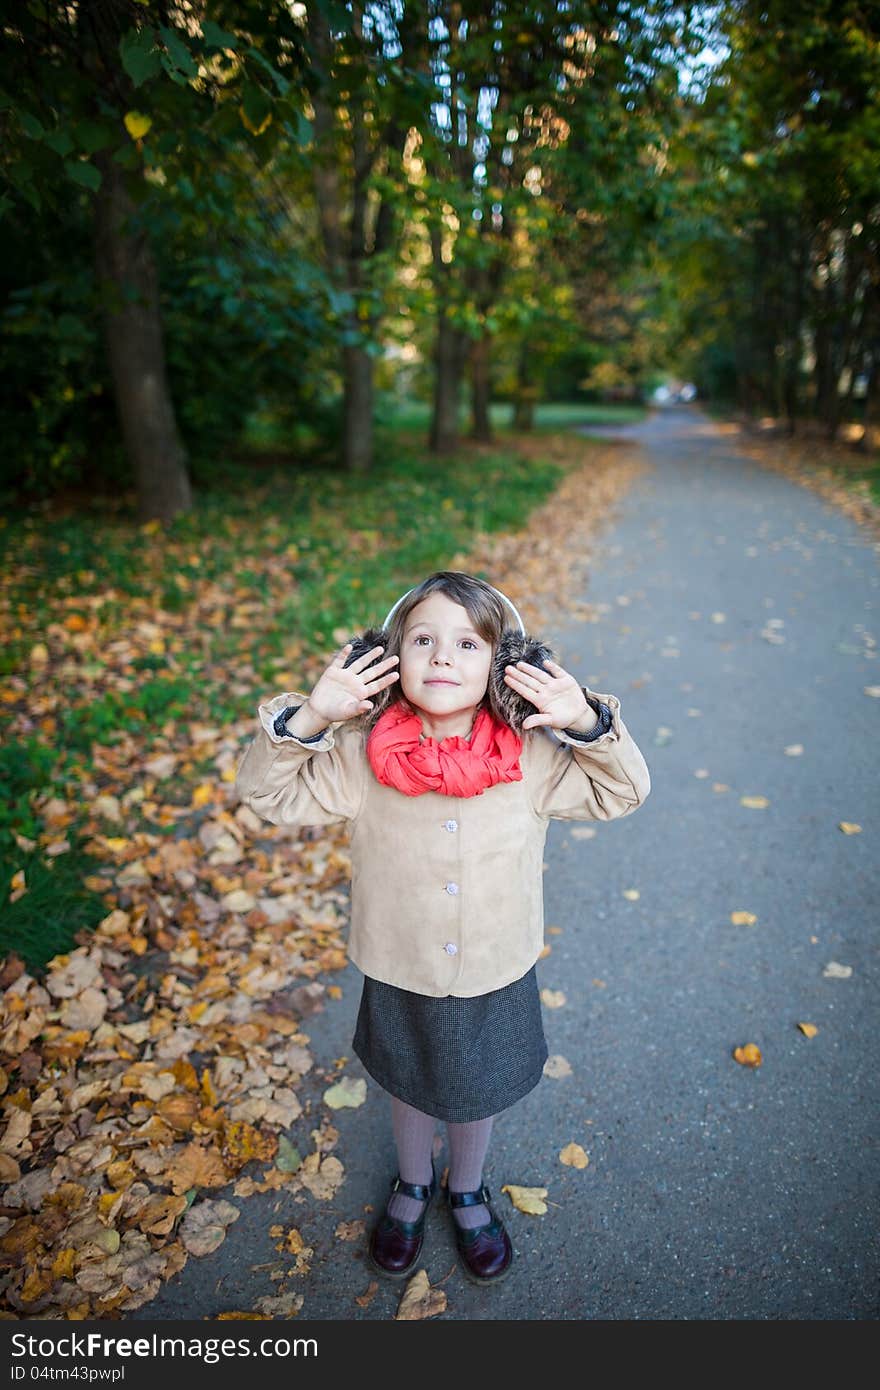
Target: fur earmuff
[(512, 647)]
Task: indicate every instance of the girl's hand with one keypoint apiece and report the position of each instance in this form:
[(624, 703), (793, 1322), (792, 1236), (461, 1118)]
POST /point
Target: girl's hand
[(343, 692), (554, 692)]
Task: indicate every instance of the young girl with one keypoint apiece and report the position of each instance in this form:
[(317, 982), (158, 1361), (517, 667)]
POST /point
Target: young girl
[(448, 739)]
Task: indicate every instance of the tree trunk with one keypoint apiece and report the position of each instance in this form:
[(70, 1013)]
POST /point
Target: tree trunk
[(357, 437), (448, 351), (129, 295), (524, 400), (481, 387)]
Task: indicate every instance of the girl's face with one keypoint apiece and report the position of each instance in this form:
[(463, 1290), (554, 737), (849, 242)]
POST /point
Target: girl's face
[(444, 662)]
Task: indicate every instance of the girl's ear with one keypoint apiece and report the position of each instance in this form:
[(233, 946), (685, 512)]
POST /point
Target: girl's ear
[(514, 646), (371, 637)]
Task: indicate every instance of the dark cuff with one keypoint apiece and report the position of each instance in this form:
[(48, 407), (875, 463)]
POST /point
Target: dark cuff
[(282, 732), (606, 720)]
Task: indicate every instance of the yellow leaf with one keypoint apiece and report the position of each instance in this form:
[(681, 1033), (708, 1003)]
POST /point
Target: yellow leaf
[(631, 893), (552, 998), (809, 1030), (756, 803), (850, 828), (527, 1199), (243, 1317), (203, 794), (573, 1156), (108, 1205), (63, 1264), (748, 1056), (242, 1142), (743, 919), (137, 124)]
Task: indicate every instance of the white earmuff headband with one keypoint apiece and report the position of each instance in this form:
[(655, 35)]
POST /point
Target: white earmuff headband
[(494, 591)]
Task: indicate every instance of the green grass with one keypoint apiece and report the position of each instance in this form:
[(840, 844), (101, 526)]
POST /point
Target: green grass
[(416, 415), (359, 542)]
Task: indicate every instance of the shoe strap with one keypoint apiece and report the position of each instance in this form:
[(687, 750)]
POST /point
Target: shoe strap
[(470, 1199), (419, 1190)]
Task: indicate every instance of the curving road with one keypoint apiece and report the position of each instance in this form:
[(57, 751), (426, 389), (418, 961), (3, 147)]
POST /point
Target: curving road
[(740, 618)]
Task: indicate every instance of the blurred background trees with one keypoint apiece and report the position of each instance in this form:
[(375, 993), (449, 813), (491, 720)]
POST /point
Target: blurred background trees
[(283, 223)]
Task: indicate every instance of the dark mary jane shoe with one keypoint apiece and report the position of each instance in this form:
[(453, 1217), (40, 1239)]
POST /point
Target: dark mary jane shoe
[(395, 1245), (486, 1251)]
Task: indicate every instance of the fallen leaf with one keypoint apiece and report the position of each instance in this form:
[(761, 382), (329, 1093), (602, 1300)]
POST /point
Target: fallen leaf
[(242, 1142), (293, 1242), (573, 1156), (756, 803), (350, 1230), (553, 998), (850, 828), (179, 1111), (350, 1091), (203, 1228), (794, 750), (9, 1169), (196, 1167), (631, 893), (288, 1159), (282, 1305), (158, 1215), (743, 919), (557, 1067), (873, 690), (582, 832), (322, 1179), (365, 1299), (835, 971), (809, 1030), (420, 1300), (748, 1056), (527, 1199), (246, 1317)]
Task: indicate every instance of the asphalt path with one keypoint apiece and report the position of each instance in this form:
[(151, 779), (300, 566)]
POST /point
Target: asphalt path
[(739, 619)]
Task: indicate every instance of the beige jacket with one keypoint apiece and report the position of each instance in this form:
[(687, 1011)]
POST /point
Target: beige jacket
[(446, 892)]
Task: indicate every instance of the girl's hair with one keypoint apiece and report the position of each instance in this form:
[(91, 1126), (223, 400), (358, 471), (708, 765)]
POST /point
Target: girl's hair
[(488, 613)]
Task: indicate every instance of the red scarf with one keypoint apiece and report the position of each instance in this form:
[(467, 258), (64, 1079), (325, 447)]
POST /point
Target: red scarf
[(453, 766)]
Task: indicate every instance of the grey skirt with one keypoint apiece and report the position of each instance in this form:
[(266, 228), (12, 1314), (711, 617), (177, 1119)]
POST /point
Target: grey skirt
[(457, 1059)]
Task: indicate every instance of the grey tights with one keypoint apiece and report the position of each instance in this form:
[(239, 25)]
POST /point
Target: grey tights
[(414, 1137)]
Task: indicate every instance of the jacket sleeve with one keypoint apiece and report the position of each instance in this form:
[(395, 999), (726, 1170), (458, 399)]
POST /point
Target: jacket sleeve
[(292, 781), (602, 780)]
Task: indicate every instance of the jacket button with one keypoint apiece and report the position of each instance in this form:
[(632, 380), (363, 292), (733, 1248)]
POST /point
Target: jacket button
[(451, 824), (451, 949), (452, 887)]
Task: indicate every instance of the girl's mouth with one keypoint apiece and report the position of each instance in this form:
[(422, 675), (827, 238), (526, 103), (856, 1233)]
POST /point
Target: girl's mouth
[(441, 682)]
